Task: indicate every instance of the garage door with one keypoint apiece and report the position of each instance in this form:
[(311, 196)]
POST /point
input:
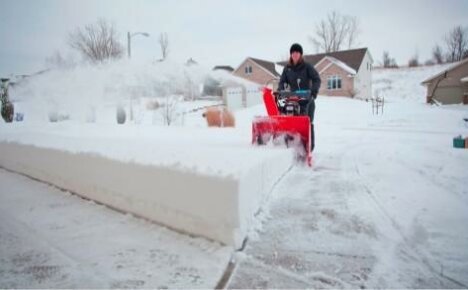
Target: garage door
[(254, 96), (449, 95), (234, 98)]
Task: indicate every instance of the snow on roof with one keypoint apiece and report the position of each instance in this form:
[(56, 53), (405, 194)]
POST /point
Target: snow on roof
[(269, 66), (464, 80), (279, 68), (341, 64), (227, 79), (451, 67)]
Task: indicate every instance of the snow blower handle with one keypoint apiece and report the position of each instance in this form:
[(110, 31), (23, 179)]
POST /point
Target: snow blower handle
[(301, 94)]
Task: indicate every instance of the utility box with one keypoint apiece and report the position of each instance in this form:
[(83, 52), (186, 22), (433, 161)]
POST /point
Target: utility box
[(459, 142)]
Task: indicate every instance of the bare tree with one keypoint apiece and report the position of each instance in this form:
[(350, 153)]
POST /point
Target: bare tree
[(169, 110), (457, 43), (414, 60), (190, 88), (336, 32), (437, 54), (386, 59), (429, 62), (388, 62), (56, 60), (353, 32), (164, 44), (97, 42)]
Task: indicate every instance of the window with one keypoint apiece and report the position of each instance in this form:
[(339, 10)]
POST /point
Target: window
[(334, 83), (248, 70)]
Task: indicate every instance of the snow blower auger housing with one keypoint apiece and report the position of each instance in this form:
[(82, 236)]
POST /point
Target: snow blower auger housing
[(286, 123)]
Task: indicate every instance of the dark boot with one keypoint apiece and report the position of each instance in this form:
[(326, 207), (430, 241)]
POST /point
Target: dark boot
[(312, 138), (311, 112)]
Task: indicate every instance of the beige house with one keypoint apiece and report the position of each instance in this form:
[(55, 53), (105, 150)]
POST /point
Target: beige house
[(346, 73), (449, 86), (244, 89), (259, 71)]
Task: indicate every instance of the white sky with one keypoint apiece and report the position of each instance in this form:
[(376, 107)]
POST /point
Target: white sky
[(216, 32)]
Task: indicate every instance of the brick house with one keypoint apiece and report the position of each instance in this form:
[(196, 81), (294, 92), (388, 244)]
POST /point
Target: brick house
[(345, 73), (449, 86), (258, 71)]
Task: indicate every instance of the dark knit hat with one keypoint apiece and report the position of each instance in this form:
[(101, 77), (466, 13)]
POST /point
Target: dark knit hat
[(295, 47)]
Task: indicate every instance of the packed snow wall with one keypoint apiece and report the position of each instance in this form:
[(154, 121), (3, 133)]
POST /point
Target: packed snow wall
[(218, 207)]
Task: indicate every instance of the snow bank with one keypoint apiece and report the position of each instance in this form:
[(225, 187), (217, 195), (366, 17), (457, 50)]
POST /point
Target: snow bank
[(198, 180), (404, 84), (208, 188)]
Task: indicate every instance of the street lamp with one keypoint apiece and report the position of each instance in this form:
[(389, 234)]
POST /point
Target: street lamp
[(129, 39)]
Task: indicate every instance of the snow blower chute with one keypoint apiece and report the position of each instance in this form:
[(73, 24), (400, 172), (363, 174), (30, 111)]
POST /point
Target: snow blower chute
[(286, 123)]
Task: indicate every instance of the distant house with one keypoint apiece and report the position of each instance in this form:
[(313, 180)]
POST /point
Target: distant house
[(345, 73), (191, 62), (227, 68), (258, 71), (449, 86)]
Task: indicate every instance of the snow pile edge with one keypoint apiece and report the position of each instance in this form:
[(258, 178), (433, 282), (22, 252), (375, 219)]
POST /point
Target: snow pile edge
[(218, 208)]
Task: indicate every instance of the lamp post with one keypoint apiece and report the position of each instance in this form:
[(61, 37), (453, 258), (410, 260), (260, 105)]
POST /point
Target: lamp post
[(129, 40)]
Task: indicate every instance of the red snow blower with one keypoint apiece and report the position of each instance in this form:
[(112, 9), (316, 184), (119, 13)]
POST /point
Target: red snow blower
[(287, 122)]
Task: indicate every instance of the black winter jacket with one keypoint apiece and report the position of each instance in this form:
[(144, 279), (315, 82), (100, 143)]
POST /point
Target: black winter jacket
[(301, 76)]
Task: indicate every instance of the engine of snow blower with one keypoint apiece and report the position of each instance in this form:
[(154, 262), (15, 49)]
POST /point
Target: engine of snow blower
[(287, 122), (292, 103)]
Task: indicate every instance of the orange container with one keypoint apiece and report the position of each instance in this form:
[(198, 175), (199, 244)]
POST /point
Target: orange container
[(466, 143)]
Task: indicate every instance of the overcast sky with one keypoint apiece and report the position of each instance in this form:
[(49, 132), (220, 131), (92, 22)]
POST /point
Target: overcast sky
[(215, 32)]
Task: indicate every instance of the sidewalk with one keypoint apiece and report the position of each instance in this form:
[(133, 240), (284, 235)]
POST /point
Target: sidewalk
[(52, 239)]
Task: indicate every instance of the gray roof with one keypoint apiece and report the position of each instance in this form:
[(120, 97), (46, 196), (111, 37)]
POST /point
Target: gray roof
[(268, 65), (353, 57)]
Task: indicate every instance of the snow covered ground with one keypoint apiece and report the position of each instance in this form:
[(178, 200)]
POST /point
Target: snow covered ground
[(385, 204), (404, 84)]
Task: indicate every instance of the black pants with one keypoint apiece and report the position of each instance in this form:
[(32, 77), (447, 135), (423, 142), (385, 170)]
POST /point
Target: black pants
[(309, 109)]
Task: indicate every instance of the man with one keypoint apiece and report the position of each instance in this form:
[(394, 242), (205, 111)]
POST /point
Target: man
[(300, 75)]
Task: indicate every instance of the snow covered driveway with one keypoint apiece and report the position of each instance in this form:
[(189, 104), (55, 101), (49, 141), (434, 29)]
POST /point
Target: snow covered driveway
[(386, 205), (52, 239)]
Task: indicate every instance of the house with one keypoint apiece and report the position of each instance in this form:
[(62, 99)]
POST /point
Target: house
[(449, 86), (227, 68), (258, 71), (345, 73), (244, 88), (191, 62)]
